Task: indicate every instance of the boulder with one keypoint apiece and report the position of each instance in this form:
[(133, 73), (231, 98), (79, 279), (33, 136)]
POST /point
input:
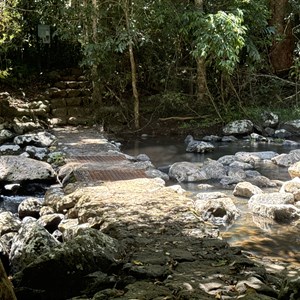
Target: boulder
[(40, 139), (9, 222), (5, 135), (229, 139), (269, 119), (219, 210), (30, 207), (294, 170), (186, 172), (16, 168), (192, 172), (238, 127), (246, 189), (65, 266), (50, 221), (292, 186), (198, 146), (31, 241), (292, 126), (10, 150), (253, 157), (277, 206), (39, 153), (282, 134)]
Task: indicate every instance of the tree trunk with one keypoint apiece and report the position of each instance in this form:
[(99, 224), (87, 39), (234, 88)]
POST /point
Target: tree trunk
[(97, 86), (281, 55), (136, 103), (201, 68)]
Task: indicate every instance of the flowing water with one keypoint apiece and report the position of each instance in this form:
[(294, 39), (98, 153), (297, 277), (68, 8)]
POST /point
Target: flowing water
[(257, 235)]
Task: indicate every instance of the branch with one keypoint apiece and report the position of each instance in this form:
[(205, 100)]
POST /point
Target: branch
[(278, 78), (182, 118)]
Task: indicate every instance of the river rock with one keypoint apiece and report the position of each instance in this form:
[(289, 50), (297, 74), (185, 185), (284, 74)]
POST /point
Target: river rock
[(285, 160), (39, 153), (294, 170), (198, 146), (269, 119), (292, 186), (31, 241), (30, 207), (16, 168), (246, 189), (226, 159), (219, 210), (5, 136), (292, 126), (229, 139), (277, 206), (191, 172), (282, 134), (238, 127), (40, 139), (50, 221), (9, 222), (10, 150), (253, 157), (211, 195), (186, 172), (66, 266)]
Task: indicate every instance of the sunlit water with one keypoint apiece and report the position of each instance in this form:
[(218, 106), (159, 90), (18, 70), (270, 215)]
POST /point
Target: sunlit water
[(257, 235)]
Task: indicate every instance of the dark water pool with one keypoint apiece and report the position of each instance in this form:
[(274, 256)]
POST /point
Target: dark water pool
[(259, 236)]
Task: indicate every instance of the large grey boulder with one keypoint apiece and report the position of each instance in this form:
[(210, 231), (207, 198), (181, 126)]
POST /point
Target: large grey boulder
[(238, 127), (192, 172), (186, 172), (31, 241), (277, 206), (65, 266), (16, 168)]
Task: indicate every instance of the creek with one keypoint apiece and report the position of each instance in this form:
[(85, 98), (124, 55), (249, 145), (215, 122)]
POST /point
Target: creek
[(258, 236)]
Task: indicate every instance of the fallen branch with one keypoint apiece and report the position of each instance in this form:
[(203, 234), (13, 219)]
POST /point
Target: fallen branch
[(181, 118)]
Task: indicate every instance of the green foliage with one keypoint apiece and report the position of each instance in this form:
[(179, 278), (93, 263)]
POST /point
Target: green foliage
[(218, 38)]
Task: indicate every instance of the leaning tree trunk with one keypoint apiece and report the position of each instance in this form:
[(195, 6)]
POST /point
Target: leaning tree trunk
[(201, 68), (136, 102), (281, 55)]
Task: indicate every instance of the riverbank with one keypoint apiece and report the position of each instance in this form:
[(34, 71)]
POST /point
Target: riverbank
[(158, 246)]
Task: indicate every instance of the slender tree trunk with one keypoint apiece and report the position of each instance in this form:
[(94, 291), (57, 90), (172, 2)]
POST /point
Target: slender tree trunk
[(281, 55), (97, 85), (136, 102), (201, 68)]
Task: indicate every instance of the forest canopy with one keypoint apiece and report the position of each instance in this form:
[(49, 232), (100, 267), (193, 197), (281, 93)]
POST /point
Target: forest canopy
[(193, 58)]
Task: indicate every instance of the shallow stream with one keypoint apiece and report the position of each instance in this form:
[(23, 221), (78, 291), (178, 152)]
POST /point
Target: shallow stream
[(258, 236)]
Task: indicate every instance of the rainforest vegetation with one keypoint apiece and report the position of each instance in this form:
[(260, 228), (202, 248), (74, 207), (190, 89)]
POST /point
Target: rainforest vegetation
[(205, 60)]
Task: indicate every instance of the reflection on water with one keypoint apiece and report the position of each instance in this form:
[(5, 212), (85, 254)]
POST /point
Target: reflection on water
[(256, 235)]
